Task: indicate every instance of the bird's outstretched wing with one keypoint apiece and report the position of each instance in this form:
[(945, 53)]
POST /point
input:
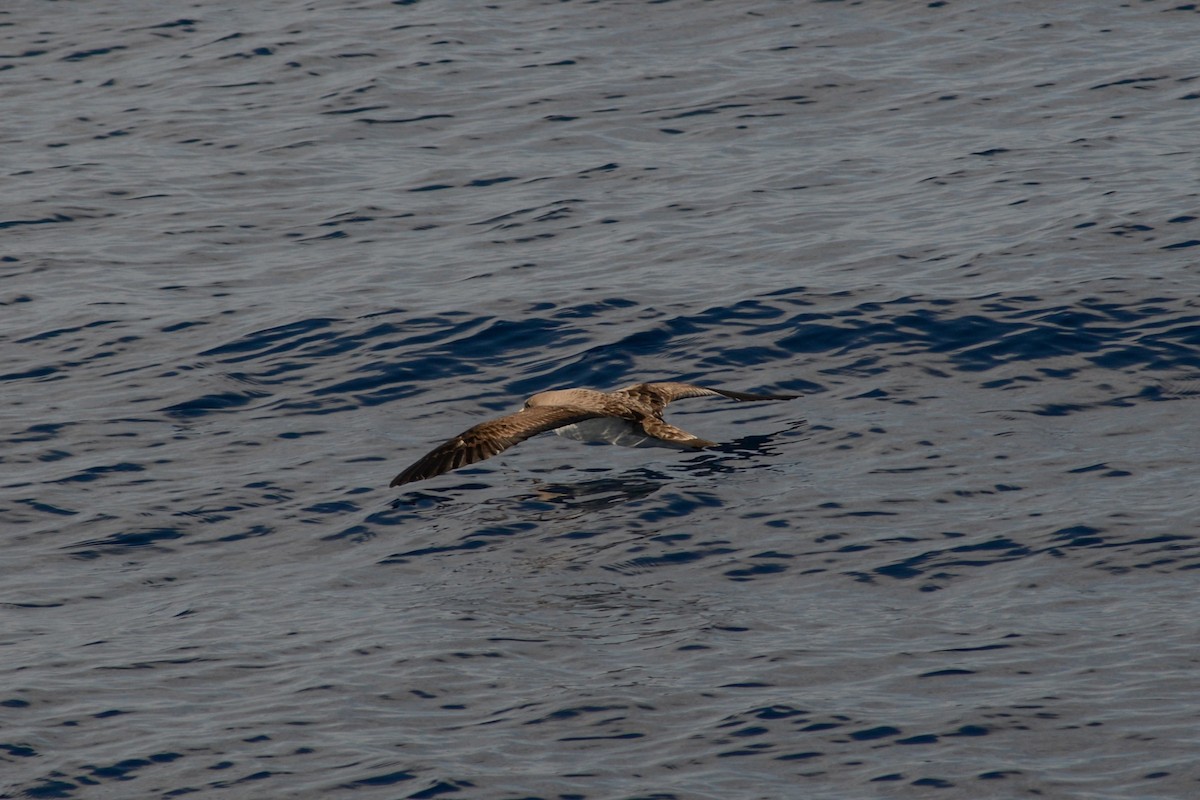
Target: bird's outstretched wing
[(666, 432), (489, 438), (658, 395)]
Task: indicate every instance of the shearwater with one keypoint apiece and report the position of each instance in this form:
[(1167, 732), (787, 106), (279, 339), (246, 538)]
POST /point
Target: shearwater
[(630, 417)]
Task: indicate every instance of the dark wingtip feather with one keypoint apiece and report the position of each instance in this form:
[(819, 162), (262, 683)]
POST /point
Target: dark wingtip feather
[(748, 397), (408, 476)]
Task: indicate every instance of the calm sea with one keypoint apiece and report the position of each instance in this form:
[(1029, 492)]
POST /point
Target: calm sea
[(256, 258)]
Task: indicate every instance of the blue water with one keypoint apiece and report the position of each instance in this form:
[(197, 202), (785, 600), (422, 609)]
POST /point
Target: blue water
[(258, 258)]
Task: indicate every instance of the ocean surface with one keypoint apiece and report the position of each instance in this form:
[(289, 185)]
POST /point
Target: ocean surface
[(256, 258)]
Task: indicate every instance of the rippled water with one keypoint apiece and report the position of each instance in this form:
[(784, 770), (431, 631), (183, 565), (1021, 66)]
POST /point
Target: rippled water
[(259, 257)]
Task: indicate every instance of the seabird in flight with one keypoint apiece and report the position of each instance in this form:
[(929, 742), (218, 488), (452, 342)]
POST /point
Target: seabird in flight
[(630, 417)]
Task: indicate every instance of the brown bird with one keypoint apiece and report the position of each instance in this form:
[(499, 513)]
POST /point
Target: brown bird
[(630, 417)]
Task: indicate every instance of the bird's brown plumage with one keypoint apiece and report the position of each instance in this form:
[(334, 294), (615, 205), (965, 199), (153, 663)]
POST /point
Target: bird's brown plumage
[(491, 438), (641, 405), (658, 395)]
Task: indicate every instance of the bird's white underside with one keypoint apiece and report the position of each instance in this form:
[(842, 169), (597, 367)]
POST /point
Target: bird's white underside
[(613, 431)]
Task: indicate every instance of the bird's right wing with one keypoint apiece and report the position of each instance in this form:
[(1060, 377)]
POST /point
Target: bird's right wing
[(489, 438)]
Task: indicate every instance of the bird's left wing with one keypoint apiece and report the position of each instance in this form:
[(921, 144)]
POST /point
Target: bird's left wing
[(489, 438)]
